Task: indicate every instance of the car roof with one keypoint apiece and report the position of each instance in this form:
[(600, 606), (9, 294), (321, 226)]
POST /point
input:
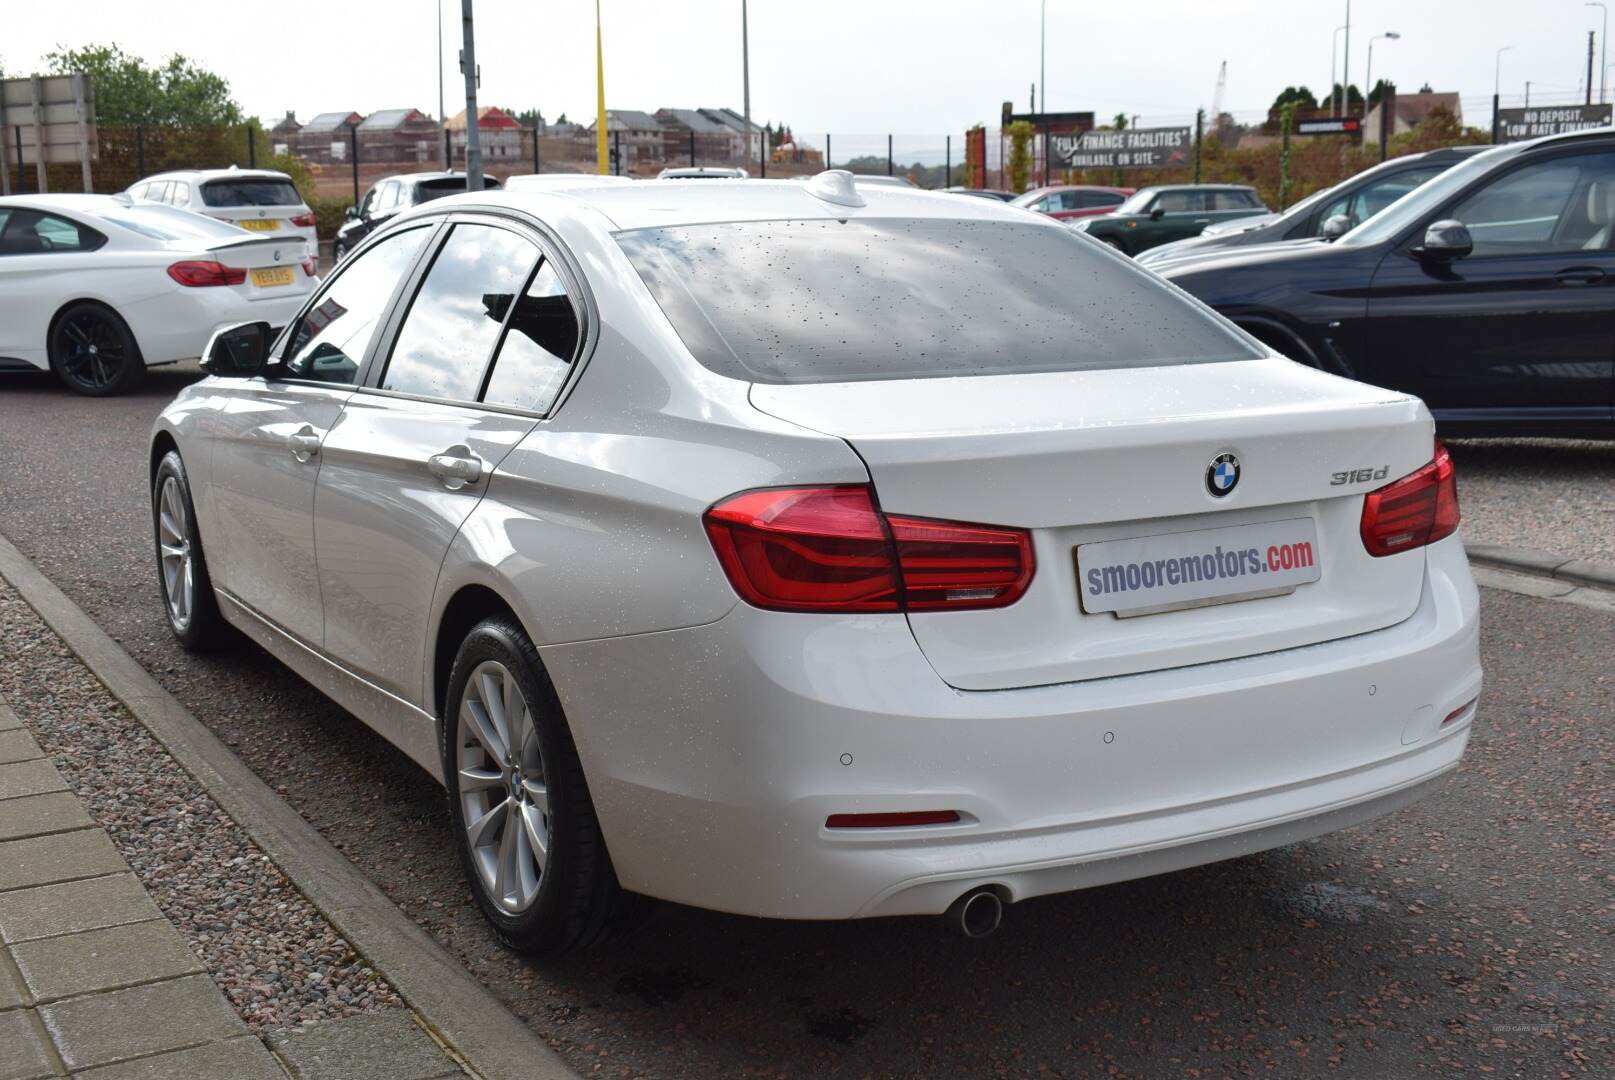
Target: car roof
[(66, 202), (205, 175), (1075, 187), (670, 203), (1198, 187)]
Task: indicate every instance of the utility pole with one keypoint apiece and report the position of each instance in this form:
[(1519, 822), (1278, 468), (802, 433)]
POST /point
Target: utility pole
[(1345, 67), (468, 61), (1043, 55), (745, 77), (442, 117), (1603, 46), (1590, 36)]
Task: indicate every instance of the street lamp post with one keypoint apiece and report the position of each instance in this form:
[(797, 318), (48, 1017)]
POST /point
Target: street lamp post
[(1497, 86), (1334, 80), (745, 78), (1043, 54), (1368, 76), (1603, 47)]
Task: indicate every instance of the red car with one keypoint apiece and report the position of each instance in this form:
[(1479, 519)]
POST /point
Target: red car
[(1073, 200)]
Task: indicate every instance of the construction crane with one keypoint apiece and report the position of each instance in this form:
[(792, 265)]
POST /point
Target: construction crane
[(1222, 92)]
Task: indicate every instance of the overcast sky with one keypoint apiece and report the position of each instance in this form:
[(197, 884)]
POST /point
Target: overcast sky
[(915, 67)]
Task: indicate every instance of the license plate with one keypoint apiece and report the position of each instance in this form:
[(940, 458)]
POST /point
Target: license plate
[(1148, 574), (259, 224), (274, 275)]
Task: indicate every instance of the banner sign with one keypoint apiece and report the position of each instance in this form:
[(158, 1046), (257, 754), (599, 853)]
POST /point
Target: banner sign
[(1334, 125), (1140, 148), (45, 119), (1517, 125)]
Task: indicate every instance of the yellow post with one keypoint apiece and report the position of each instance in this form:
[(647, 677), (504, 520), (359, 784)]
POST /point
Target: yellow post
[(602, 156)]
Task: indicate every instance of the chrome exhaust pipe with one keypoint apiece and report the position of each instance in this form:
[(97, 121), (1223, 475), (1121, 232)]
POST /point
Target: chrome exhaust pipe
[(976, 914)]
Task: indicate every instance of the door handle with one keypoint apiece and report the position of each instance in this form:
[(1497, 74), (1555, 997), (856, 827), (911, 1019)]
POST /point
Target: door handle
[(1579, 275), (304, 443), (456, 467), (1202, 221)]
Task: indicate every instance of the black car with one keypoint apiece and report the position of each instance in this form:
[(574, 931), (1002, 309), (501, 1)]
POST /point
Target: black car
[(391, 195), (1489, 292), (1327, 213)]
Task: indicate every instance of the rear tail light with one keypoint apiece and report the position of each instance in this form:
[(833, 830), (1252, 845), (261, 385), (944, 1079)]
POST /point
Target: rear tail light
[(196, 273), (304, 221), (830, 549), (1418, 509), (310, 267)]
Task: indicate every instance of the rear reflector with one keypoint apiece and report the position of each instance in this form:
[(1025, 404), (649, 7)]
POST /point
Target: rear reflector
[(304, 221), (891, 821), (830, 549), (197, 273), (1416, 510), (310, 267), (1459, 711)]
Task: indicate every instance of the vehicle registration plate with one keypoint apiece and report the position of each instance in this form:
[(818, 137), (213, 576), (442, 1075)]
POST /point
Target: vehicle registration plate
[(1147, 574), (272, 276), (259, 224)]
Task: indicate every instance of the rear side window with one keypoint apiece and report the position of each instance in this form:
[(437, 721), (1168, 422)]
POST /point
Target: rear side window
[(1090, 199), (539, 346), (1232, 200), (29, 232), (256, 191), (446, 340), (808, 301)]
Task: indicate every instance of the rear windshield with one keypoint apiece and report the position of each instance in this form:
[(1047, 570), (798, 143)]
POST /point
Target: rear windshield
[(427, 190), (837, 301), (250, 191)]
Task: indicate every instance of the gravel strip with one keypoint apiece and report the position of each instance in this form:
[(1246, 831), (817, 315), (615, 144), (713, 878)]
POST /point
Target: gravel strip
[(274, 956), (1554, 495)]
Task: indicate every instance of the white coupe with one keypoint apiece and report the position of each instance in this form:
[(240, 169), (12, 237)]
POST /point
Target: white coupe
[(821, 551), (96, 288)]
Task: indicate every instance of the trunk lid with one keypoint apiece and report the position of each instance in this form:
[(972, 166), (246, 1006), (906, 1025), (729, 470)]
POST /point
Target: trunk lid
[(1120, 455), (274, 265)]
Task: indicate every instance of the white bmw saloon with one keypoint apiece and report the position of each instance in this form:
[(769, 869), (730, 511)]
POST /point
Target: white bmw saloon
[(820, 551)]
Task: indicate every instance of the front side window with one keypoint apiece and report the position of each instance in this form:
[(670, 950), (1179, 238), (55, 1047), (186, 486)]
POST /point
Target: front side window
[(820, 300), (1553, 206), (539, 347), (446, 340), (330, 341), (1090, 199), (1177, 202)]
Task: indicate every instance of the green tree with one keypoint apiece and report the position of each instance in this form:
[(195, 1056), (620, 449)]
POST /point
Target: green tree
[(530, 118), (1299, 96), (1354, 96), (1119, 122), (129, 91), (1379, 90)]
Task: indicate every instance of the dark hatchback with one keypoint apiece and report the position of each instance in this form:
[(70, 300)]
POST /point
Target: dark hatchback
[(1489, 292), (392, 195), (1328, 213)]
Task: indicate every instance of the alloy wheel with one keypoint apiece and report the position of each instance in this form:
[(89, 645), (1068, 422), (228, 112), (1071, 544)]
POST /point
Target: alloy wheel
[(504, 799), (174, 545), (92, 351)]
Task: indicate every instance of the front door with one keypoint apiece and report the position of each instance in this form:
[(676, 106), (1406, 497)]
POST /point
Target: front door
[(271, 439), (409, 460), (1522, 330)]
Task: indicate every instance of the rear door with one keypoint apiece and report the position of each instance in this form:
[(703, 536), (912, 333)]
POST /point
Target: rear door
[(459, 385), (270, 437), (1522, 329)]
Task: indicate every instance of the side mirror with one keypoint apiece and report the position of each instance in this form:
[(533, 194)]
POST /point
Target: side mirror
[(1157, 214), (1336, 226), (1445, 241), (238, 352), (352, 213)]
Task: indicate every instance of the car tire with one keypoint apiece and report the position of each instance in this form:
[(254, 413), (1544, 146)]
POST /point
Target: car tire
[(93, 353), (189, 603), (1112, 242), (338, 250), (532, 852)]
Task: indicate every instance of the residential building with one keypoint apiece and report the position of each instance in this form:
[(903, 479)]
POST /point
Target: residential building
[(737, 126), (637, 135), (406, 135), (714, 142), (1409, 111), (499, 135), (325, 139)]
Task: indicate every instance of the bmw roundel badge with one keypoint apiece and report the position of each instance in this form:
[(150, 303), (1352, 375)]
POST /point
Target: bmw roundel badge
[(1222, 475)]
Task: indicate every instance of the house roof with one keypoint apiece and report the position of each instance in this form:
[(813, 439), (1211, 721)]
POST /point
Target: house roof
[(488, 116), (732, 120), (330, 121), (391, 119), (629, 120), (1413, 108), (287, 125), (692, 120)]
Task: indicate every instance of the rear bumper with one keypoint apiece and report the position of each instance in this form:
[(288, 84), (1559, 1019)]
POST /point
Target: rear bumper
[(715, 754), (176, 325)]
